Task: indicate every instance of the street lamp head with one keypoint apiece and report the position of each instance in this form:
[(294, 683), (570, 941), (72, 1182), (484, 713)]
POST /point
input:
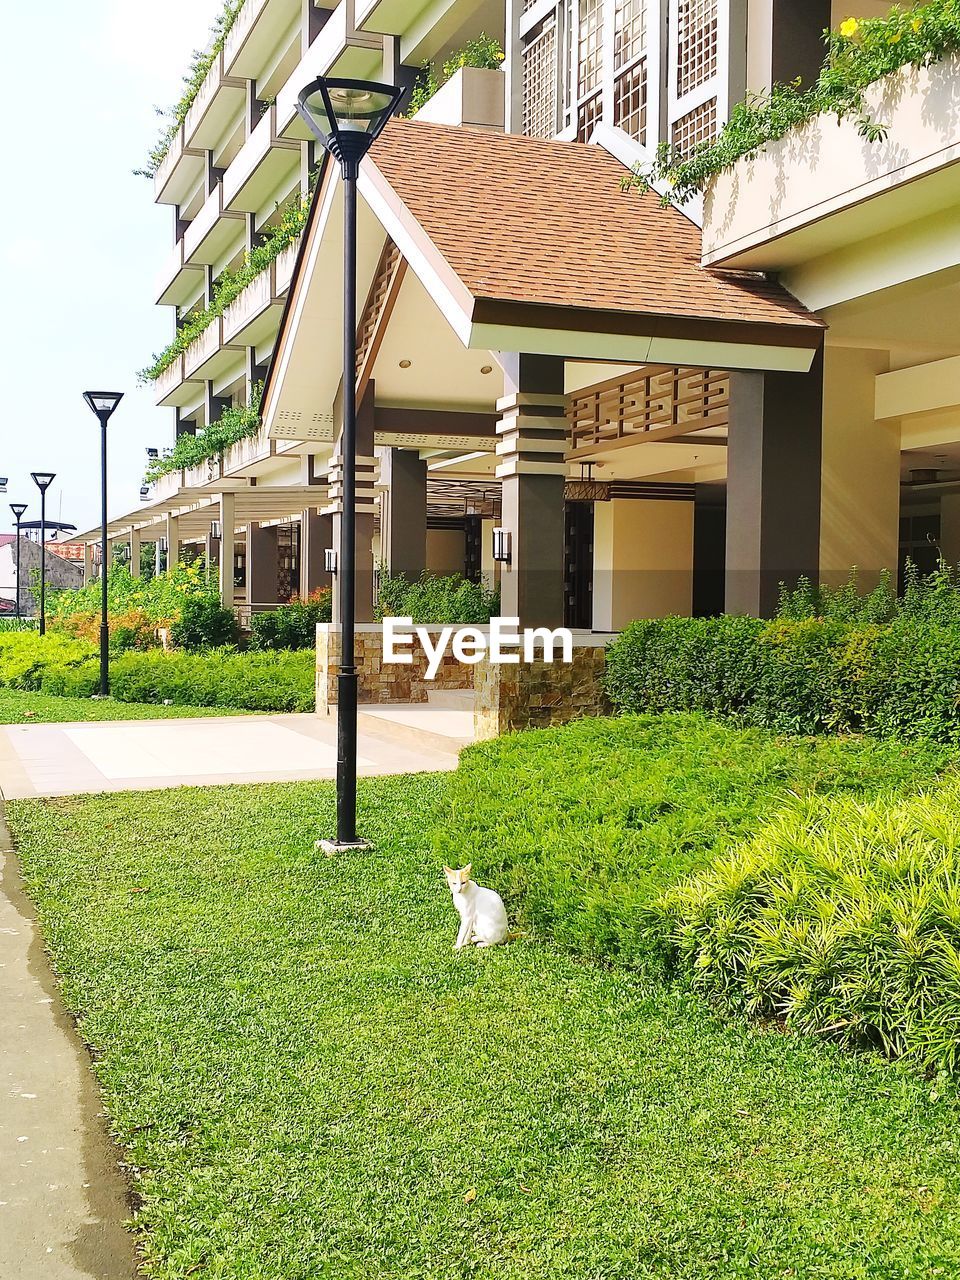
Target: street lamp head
[(43, 479), (18, 508), (347, 116), (103, 403)]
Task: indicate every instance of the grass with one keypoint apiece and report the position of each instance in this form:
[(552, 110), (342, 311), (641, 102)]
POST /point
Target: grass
[(37, 708), (585, 827), (309, 1084)]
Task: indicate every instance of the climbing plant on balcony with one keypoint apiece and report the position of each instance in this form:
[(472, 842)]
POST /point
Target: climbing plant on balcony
[(483, 52), (234, 424), (231, 284), (859, 53), (202, 61)]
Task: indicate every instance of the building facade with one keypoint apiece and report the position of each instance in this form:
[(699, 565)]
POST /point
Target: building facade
[(671, 411)]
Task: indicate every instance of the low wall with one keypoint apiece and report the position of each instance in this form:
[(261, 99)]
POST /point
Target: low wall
[(507, 697)]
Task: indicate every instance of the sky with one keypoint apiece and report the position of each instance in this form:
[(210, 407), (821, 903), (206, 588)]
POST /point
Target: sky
[(81, 241)]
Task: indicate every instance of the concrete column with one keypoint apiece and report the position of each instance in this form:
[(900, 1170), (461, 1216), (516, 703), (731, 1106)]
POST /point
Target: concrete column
[(228, 522), (642, 561), (316, 535), (532, 440), (135, 553), (87, 563), (406, 532), (860, 488), (173, 543), (773, 485), (950, 528), (263, 565)]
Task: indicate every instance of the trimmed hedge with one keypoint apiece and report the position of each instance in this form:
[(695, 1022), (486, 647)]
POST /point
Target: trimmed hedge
[(800, 676), (60, 666), (292, 626), (841, 918)]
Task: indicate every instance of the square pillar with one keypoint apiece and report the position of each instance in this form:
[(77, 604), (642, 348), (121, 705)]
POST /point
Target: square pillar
[(316, 536), (173, 543), (405, 543), (773, 486), (135, 553), (860, 485), (367, 506), (88, 574), (263, 566), (532, 441), (227, 553)]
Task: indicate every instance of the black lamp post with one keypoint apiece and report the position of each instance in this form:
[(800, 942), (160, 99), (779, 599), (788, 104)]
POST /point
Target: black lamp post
[(43, 480), (18, 508), (103, 404), (346, 117)]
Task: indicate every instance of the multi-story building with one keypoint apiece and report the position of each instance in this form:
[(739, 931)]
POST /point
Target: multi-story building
[(670, 410)]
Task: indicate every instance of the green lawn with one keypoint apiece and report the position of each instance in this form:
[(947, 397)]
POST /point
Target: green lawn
[(310, 1084), (37, 708)]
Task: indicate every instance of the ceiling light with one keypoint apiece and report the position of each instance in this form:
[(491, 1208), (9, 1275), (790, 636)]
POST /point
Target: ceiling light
[(405, 364)]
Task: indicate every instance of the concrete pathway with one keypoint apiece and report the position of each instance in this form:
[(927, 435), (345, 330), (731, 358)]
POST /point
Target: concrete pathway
[(137, 755), (62, 1198)]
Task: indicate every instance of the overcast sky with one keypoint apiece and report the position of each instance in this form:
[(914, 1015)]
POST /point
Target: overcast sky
[(81, 241)]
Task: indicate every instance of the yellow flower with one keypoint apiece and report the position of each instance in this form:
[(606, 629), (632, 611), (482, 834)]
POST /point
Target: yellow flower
[(895, 38), (849, 28), (917, 23)]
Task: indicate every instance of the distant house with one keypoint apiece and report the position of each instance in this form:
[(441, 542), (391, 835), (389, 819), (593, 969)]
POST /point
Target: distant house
[(61, 571)]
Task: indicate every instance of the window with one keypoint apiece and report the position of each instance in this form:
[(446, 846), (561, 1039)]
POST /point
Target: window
[(630, 101), (696, 43), (629, 32), (588, 117), (589, 45), (699, 125), (630, 68), (540, 80)]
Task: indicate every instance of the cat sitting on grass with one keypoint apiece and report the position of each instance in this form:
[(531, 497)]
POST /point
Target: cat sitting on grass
[(483, 917)]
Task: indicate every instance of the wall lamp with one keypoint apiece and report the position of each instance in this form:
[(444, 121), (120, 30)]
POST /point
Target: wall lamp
[(502, 553), (330, 560)]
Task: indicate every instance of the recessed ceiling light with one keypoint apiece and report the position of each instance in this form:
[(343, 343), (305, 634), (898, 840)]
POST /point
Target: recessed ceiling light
[(487, 368), (405, 364)]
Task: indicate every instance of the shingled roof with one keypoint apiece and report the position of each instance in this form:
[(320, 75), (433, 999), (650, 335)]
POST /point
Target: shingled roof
[(521, 220)]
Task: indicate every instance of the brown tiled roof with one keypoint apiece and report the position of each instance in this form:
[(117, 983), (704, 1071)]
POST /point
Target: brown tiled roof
[(548, 223)]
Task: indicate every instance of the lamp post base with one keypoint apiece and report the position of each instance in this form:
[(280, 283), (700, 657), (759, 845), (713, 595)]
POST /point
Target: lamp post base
[(332, 847)]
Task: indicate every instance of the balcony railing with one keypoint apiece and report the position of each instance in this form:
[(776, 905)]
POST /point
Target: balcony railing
[(250, 304), (169, 380), (285, 263)]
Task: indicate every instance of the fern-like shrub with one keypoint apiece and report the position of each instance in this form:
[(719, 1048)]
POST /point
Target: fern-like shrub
[(841, 918)]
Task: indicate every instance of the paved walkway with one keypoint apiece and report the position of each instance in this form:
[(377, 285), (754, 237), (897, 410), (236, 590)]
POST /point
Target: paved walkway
[(136, 755), (62, 1198)]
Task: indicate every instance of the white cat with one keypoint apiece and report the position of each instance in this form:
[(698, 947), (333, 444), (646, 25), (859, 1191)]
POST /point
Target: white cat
[(483, 917)]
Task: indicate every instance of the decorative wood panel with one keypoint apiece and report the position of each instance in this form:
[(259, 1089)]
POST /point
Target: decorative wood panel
[(656, 404)]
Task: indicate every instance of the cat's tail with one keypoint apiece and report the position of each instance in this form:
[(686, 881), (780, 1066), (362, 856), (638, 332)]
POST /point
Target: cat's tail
[(514, 935)]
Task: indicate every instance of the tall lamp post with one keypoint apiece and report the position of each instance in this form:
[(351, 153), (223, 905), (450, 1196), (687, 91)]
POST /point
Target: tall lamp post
[(43, 480), (18, 508), (346, 117), (103, 404)]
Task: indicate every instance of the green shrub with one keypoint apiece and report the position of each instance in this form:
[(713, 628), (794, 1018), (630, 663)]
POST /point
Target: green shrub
[(841, 917), (584, 828), (795, 676), (18, 624), (159, 600), (204, 624), (292, 626), (434, 599), (64, 667), (931, 597)]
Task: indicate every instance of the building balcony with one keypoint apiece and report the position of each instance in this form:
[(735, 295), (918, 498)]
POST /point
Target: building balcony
[(213, 231), (173, 388), (339, 50), (284, 267), (258, 28), (219, 100), (178, 173), (166, 486), (254, 316), (245, 453), (178, 281), (264, 165), (825, 194), (208, 356)]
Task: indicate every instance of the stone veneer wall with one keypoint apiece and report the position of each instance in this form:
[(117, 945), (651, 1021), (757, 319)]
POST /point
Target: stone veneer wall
[(539, 694), (379, 681), (507, 697)]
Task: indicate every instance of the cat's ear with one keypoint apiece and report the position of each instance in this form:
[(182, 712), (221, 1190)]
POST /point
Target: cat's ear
[(468, 869), (448, 871)]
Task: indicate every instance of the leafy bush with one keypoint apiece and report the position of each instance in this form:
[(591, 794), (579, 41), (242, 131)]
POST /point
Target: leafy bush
[(483, 52), (292, 626), (204, 624), (858, 54), (584, 828), (18, 624), (842, 918), (794, 676), (432, 599), (159, 599), (233, 425), (931, 597), (132, 629), (59, 665)]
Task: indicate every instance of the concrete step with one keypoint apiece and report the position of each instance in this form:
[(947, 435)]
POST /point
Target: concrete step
[(443, 729), (457, 699)]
